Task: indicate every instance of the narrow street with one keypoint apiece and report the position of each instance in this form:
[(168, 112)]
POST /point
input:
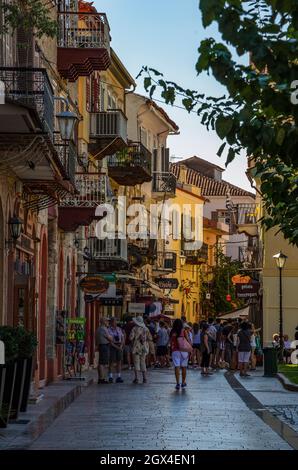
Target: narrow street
[(208, 415)]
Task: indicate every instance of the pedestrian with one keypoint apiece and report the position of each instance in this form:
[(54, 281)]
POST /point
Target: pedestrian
[(253, 343), (116, 350), (228, 344), (103, 340), (287, 349), (205, 349), (162, 344), (244, 348), (127, 347), (151, 357), (212, 332), (179, 344), (188, 330), (196, 345), (139, 337)]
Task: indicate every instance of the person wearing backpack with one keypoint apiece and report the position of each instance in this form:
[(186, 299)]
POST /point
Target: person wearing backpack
[(181, 349), (139, 337)]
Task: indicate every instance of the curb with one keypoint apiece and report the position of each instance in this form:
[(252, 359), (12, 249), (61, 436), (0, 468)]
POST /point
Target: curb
[(286, 383), (38, 426)]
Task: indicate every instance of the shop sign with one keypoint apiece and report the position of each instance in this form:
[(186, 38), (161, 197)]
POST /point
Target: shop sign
[(111, 302), (247, 291), (165, 283), (94, 284), (136, 308)]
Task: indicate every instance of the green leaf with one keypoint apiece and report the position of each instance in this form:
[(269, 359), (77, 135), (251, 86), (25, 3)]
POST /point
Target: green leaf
[(231, 156), (224, 125), (147, 83), (221, 149)]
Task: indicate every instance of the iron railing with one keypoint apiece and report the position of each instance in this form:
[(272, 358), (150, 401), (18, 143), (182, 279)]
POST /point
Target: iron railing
[(67, 154), (82, 30), (164, 183), (30, 87), (91, 191), (201, 255), (135, 155), (166, 261), (247, 214), (108, 124), (107, 248)]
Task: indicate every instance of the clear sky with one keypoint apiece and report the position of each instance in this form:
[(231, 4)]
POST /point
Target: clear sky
[(165, 35)]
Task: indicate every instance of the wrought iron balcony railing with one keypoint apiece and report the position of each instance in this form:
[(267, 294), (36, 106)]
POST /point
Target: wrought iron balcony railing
[(166, 262), (83, 30), (197, 256), (132, 165), (247, 214), (91, 191), (30, 87), (108, 124), (107, 248), (67, 154), (164, 183)]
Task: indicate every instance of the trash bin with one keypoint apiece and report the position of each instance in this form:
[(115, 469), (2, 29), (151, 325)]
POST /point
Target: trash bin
[(270, 362)]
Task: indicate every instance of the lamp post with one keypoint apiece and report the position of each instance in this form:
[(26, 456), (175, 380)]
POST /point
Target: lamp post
[(280, 260)]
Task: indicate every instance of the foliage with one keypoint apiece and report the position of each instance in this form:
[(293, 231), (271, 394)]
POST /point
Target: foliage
[(220, 285), (8, 336), (28, 14), (27, 342), (258, 114)]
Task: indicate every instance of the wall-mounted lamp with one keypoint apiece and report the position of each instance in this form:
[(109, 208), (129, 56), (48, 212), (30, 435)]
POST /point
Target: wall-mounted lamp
[(15, 229)]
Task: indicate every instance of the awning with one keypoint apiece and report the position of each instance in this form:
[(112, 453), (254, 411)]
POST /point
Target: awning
[(155, 289), (242, 312)]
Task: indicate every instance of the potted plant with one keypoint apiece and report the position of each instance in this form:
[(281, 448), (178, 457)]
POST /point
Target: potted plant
[(26, 342), (8, 336), (27, 348)]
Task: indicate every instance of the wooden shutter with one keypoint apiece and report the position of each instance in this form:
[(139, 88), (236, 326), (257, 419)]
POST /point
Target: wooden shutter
[(88, 101), (95, 94), (167, 160), (155, 156)]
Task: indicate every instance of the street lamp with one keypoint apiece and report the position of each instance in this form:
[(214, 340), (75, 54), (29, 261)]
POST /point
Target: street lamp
[(280, 260), (66, 123), (15, 227)]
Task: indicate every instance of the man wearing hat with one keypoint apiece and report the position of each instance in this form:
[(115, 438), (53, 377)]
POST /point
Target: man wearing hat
[(140, 337)]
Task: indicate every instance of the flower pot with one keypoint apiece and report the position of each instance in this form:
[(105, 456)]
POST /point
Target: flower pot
[(18, 388), (10, 375), (27, 384)]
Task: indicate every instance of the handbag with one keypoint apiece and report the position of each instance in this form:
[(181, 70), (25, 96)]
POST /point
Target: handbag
[(184, 345)]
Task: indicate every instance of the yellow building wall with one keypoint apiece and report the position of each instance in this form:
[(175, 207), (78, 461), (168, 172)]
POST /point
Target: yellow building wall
[(273, 244), (188, 273)]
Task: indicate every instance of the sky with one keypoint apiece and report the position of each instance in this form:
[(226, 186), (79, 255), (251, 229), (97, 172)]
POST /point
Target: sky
[(165, 35)]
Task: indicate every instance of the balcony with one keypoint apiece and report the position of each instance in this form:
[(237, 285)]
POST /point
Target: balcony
[(67, 157), (131, 166), (108, 133), (83, 42), (141, 251), (163, 185), (79, 209), (108, 255), (27, 147), (247, 219), (166, 263), (197, 257)]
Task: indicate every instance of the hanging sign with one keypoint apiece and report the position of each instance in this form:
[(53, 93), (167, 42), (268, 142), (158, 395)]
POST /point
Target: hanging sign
[(94, 284), (165, 283), (136, 308), (247, 291)]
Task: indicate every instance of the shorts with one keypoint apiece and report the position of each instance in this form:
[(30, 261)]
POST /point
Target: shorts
[(127, 349), (115, 355), (104, 354), (139, 362), (196, 346), (161, 351), (180, 359), (243, 356)]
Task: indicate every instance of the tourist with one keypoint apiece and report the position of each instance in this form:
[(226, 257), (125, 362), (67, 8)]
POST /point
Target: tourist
[(244, 348), (196, 356), (127, 347), (287, 349), (139, 337), (116, 350), (232, 338), (253, 343), (205, 349), (179, 357), (227, 329), (151, 357), (162, 344), (275, 342), (103, 340), (218, 326), (212, 332)]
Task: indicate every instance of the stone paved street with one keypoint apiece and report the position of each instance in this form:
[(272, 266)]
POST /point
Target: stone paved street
[(208, 415)]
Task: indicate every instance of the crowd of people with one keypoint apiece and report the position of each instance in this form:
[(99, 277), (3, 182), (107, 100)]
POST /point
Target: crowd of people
[(145, 343)]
